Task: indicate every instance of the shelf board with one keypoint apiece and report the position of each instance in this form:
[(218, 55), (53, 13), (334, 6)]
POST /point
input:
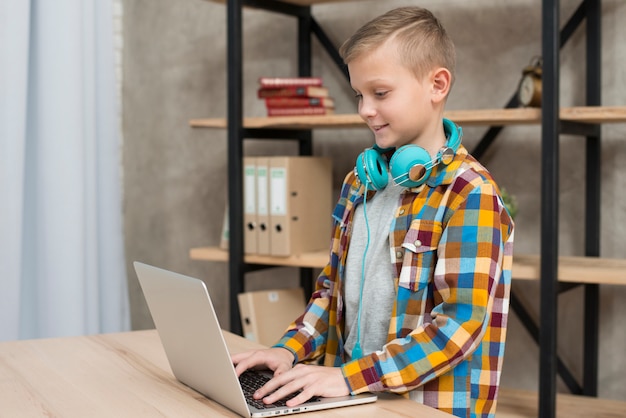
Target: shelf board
[(462, 117), (594, 114), (314, 259), (480, 117), (299, 2), (287, 122), (589, 270), (518, 403)]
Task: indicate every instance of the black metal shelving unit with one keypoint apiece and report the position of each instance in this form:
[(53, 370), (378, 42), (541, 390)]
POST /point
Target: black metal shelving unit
[(545, 333), (237, 133), (551, 128), (553, 40)]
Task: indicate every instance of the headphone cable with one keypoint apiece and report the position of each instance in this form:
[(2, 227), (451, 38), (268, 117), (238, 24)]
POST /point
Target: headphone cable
[(357, 352)]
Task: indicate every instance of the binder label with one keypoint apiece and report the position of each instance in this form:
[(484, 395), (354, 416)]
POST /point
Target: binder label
[(262, 191), (278, 191)]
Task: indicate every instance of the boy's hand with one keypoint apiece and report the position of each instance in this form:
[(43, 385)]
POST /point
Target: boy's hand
[(310, 380), (278, 360)]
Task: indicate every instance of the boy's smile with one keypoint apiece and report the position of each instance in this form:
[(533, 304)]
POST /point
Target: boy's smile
[(377, 128), (397, 106)]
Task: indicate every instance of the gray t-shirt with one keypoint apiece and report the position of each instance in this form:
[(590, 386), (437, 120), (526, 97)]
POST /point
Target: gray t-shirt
[(378, 291)]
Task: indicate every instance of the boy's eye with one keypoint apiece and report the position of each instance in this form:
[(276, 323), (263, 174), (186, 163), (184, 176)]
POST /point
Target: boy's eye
[(375, 94)]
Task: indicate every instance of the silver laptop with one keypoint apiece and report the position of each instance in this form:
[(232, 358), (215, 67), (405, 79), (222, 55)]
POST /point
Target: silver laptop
[(192, 338)]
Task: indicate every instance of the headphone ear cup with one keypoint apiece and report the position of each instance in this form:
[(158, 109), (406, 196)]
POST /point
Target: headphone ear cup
[(371, 169), (404, 160)]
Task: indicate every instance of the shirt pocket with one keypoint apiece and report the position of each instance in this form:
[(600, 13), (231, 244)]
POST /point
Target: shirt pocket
[(420, 254)]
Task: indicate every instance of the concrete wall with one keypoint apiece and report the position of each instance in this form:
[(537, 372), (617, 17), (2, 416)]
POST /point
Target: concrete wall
[(175, 177)]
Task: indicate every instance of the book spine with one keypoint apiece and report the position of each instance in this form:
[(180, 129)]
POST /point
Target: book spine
[(289, 81), (298, 102), (293, 91), (299, 111)]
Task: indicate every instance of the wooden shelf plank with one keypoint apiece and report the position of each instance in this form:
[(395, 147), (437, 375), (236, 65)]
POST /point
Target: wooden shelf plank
[(314, 259), (287, 122), (495, 117), (298, 2), (574, 269), (525, 267), (594, 114), (481, 117), (516, 403), (462, 117)]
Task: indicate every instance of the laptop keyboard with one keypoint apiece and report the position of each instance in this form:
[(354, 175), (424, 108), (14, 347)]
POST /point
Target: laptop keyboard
[(251, 381)]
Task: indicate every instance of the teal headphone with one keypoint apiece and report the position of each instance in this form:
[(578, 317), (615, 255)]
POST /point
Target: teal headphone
[(410, 165)]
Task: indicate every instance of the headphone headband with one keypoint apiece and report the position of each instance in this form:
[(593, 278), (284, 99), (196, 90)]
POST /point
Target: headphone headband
[(453, 134)]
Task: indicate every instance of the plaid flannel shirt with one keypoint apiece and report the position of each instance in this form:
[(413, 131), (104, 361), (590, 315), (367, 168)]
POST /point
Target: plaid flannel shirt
[(451, 246)]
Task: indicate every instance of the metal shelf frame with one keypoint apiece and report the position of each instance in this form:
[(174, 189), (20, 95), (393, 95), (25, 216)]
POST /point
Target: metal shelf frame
[(551, 42)]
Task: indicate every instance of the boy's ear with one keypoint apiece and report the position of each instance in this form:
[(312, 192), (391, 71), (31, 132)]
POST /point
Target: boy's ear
[(441, 83)]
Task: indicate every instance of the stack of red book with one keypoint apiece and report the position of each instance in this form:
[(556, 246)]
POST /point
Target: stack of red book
[(295, 96)]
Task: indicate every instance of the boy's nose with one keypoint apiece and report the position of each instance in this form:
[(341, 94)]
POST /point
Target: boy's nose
[(366, 110)]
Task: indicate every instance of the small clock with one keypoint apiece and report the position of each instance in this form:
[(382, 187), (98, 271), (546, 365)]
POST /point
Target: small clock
[(529, 90)]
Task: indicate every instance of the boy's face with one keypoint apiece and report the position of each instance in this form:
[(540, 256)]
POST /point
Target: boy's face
[(397, 106)]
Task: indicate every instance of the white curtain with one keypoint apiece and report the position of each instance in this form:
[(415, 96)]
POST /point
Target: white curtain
[(62, 269)]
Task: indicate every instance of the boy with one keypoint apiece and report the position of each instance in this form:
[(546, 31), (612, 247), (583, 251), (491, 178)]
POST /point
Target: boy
[(415, 297)]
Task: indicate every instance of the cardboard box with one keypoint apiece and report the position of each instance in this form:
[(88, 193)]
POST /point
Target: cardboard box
[(266, 314)]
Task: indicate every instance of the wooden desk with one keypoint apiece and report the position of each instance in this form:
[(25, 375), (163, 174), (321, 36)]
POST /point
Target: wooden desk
[(126, 375)]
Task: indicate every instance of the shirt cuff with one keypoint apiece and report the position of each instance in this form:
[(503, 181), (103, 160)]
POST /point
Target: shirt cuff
[(362, 375)]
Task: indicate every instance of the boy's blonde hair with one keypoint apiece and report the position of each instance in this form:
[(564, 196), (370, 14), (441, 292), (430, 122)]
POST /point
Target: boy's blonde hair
[(422, 42)]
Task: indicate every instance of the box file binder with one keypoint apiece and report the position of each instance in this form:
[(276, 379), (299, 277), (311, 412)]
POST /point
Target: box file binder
[(265, 315), (300, 204), (262, 206), (249, 206)]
